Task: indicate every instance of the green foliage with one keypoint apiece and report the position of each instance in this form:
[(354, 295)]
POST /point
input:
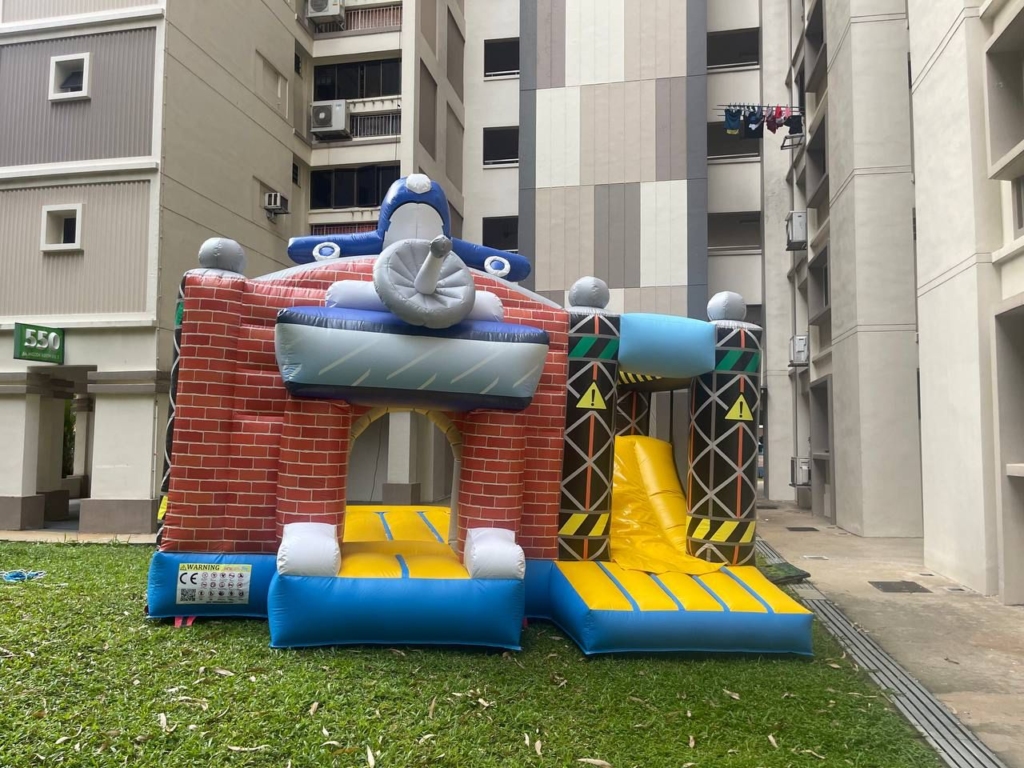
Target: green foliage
[(68, 455), (85, 680)]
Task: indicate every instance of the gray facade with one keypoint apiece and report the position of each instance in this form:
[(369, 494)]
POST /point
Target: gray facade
[(115, 121)]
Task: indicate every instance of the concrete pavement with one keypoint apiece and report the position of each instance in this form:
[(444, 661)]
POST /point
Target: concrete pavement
[(967, 649)]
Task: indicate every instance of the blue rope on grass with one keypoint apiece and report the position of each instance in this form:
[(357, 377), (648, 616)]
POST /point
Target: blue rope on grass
[(22, 575)]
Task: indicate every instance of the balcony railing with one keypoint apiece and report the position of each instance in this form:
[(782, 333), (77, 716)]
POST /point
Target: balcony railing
[(368, 126), (375, 19), (340, 229)]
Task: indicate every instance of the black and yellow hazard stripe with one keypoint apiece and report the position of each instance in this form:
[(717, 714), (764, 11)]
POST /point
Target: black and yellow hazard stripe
[(635, 378), (583, 524), (702, 529)]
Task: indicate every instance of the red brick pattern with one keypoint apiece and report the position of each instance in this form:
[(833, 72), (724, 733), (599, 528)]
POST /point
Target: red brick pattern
[(248, 458)]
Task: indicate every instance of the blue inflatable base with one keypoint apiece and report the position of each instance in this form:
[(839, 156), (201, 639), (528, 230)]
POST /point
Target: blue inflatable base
[(306, 611), (551, 597), (178, 589)]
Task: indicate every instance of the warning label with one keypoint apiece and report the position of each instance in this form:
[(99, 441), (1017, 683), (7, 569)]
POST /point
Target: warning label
[(208, 584), (592, 400), (740, 411)]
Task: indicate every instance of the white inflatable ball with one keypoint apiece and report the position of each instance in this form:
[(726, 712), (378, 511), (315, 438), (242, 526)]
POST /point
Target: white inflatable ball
[(727, 306), (589, 292), (222, 253)]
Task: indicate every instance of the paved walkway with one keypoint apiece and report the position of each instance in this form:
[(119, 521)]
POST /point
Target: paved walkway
[(967, 649), (63, 536)]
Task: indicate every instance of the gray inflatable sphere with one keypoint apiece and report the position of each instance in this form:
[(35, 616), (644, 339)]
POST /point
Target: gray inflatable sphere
[(727, 306), (222, 253), (589, 292)]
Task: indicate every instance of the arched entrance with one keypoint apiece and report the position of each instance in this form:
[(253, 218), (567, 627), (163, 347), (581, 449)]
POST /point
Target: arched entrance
[(364, 484)]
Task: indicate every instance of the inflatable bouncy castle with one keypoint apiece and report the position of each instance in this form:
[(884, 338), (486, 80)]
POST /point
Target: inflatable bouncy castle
[(562, 507)]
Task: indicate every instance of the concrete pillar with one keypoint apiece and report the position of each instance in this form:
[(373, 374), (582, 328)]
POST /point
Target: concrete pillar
[(958, 227), (402, 486), (50, 456), (127, 453), (20, 506)]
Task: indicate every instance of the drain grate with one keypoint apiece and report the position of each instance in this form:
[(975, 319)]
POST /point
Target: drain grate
[(952, 740), (768, 553), (802, 528), (902, 587)]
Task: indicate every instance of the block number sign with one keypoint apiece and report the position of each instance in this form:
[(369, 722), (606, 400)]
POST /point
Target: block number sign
[(38, 343)]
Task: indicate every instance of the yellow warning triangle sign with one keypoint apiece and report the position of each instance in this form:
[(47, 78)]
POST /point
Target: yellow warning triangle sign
[(592, 399), (740, 411)]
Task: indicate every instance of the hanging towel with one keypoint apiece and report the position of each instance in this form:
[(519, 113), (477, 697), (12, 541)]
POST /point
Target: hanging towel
[(732, 121)]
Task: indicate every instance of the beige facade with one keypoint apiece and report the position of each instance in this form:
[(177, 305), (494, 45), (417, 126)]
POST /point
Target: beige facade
[(851, 409)]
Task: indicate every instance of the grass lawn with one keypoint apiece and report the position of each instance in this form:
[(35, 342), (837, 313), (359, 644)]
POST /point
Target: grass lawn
[(85, 680)]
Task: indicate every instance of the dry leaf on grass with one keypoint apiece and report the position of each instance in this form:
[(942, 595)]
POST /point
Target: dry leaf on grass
[(536, 747), (730, 694), (424, 739), (314, 708), (835, 666), (812, 752), (430, 710), (692, 742), (594, 761), (370, 759), (771, 740), (526, 737), (325, 732), (330, 744), (224, 672), (62, 739), (250, 749)]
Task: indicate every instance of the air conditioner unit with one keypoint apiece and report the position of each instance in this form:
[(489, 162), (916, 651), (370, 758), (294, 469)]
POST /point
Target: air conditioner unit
[(325, 10), (799, 350), (799, 472), (275, 202), (796, 231), (329, 118)]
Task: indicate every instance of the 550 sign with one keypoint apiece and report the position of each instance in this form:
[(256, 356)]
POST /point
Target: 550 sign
[(38, 343)]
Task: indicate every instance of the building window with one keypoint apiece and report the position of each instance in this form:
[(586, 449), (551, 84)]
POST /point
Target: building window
[(363, 187), (69, 77), (358, 80), (501, 146), (295, 174), (1018, 206), (502, 232), (298, 64), (61, 228), (501, 57), (735, 48)]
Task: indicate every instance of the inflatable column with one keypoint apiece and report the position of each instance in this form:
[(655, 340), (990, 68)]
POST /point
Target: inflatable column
[(589, 456), (724, 408), (632, 410)]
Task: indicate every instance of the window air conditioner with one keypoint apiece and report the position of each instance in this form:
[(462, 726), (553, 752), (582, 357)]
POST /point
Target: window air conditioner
[(799, 472), (796, 231), (275, 202), (329, 118), (799, 352), (325, 10)]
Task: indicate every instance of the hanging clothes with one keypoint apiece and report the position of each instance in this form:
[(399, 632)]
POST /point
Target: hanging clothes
[(774, 119), (795, 123), (733, 117), (753, 124)]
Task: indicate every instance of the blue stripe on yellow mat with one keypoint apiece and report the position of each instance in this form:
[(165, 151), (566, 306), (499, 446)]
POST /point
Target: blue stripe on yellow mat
[(667, 591), (403, 565), (619, 586), (433, 530), (707, 589), (384, 522), (747, 587)]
